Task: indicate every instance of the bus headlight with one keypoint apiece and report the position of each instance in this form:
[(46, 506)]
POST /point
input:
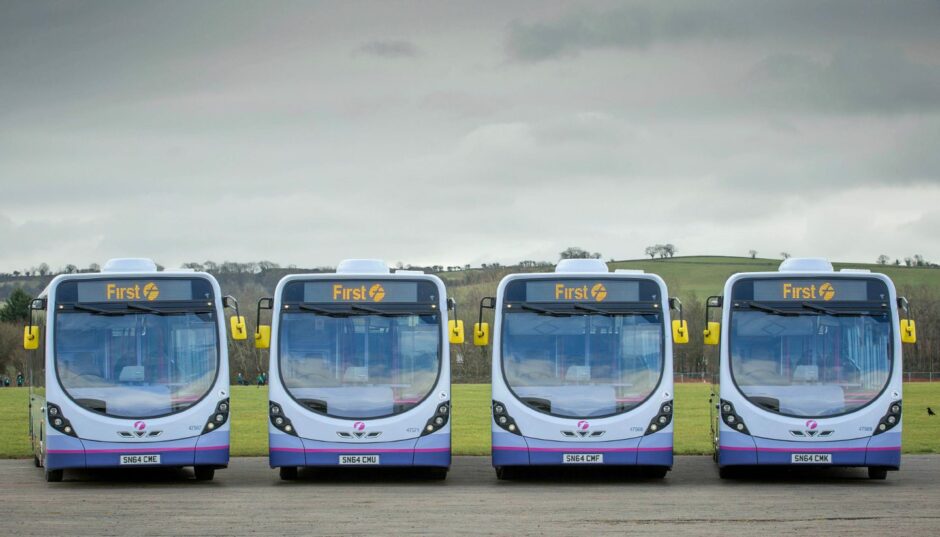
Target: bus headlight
[(218, 418), (731, 418), (661, 420), (58, 421), (890, 419), (279, 420), (438, 420), (503, 419)]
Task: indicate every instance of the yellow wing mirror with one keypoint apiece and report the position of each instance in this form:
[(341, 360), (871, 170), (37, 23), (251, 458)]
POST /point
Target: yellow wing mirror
[(263, 331), (680, 331), (239, 329), (712, 333), (31, 338), (237, 322), (481, 334), (263, 337), (908, 331), (455, 328), (680, 328)]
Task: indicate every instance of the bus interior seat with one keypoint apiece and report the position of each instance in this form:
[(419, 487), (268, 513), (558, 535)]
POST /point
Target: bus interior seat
[(131, 373), (806, 373), (356, 374), (578, 373)]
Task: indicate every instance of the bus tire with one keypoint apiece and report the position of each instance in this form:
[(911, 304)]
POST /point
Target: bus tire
[(204, 473), (727, 472), (437, 474), (505, 473), (54, 476), (655, 472), (288, 473), (877, 472)]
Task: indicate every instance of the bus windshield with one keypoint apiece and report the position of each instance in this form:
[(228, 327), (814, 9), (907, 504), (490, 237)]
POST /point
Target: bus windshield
[(579, 366), (359, 365), (810, 364), (136, 365)]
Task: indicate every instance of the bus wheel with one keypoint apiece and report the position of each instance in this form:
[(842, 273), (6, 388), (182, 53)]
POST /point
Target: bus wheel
[(727, 472), (54, 476), (504, 473), (204, 473), (877, 472), (437, 474), (655, 472), (288, 473)]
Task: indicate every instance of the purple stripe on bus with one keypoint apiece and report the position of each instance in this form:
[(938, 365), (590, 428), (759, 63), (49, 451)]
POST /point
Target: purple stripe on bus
[(360, 450), (582, 449), (809, 449), (136, 450)]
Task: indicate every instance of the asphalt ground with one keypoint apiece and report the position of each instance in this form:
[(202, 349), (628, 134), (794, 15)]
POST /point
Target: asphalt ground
[(248, 498)]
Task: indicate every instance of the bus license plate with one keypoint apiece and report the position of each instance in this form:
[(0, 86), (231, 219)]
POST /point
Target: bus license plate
[(583, 458), (811, 458), (140, 459), (359, 459)]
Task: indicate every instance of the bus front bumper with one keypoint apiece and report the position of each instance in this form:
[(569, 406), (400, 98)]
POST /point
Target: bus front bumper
[(66, 452), (432, 450), (736, 449), (515, 450)]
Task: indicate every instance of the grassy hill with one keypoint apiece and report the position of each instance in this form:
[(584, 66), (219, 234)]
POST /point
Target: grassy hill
[(706, 275)]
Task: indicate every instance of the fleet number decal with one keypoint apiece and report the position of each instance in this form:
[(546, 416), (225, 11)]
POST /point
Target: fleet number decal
[(359, 459), (140, 459), (583, 458), (811, 458)]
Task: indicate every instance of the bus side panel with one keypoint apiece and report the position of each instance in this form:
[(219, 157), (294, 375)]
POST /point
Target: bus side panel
[(656, 449), (285, 450), (63, 451), (213, 449), (885, 449), (433, 449), (398, 453), (509, 449), (735, 448)]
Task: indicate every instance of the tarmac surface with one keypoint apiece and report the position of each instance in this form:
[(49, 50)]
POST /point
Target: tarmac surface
[(248, 498)]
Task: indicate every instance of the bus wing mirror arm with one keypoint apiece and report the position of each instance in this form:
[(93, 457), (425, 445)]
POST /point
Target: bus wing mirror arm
[(680, 328), (481, 330), (455, 325), (31, 333), (263, 332), (237, 322)]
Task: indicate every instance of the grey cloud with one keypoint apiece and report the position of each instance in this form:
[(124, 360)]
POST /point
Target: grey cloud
[(863, 78), (624, 27), (391, 48), (638, 25)]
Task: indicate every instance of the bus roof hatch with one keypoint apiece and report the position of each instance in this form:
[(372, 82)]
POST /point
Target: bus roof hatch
[(581, 265), (130, 264), (805, 264), (362, 266)]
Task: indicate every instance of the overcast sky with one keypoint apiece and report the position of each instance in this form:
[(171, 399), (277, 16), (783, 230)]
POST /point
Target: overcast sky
[(467, 132)]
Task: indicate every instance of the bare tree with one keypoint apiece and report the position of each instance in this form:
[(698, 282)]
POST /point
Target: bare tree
[(883, 259), (573, 252), (785, 255), (669, 249), (651, 251), (752, 253)]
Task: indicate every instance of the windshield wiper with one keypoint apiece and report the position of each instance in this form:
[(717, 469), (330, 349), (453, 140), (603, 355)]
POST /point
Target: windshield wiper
[(837, 313), (592, 309), (148, 309), (775, 311), (96, 311), (544, 311)]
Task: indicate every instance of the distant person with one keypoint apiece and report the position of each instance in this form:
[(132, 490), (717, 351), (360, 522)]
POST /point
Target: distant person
[(240, 380), (20, 380), (6, 382), (264, 378), (260, 379)]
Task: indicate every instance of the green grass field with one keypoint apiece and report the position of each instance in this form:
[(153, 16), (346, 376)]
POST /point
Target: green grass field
[(706, 275), (471, 423)]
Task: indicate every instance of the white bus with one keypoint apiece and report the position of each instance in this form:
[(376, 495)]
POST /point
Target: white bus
[(809, 368), (129, 368), (359, 369), (582, 368)]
